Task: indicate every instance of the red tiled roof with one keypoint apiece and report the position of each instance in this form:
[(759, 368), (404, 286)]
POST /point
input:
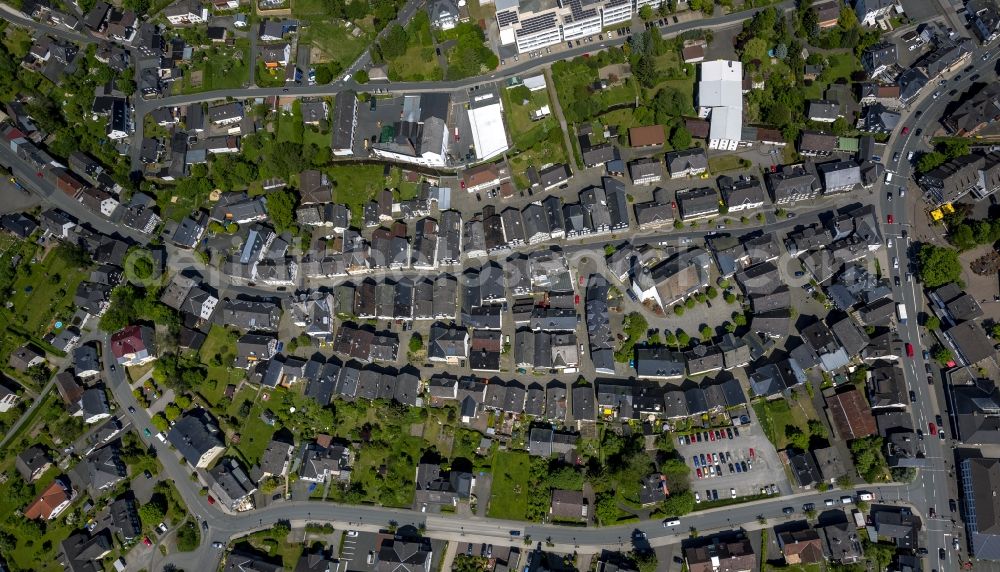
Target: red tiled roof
[(851, 415), (127, 341)]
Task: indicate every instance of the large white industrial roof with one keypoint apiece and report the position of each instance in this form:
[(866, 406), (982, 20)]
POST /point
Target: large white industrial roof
[(488, 133)]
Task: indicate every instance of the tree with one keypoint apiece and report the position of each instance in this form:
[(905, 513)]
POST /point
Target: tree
[(416, 342), (929, 161), (645, 560), (151, 513), (361, 76), (468, 563), (941, 354), (706, 333), (160, 422), (394, 43), (868, 459), (712, 293), (817, 429), (281, 208), (607, 509), (324, 75), (683, 339), (172, 411), (797, 438), (679, 504), (939, 265), (680, 138), (932, 323), (646, 13)]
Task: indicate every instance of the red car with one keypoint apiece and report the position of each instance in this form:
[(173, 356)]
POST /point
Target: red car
[(698, 472), (146, 541), (889, 219), (211, 500), (711, 435), (577, 299), (932, 428), (909, 349), (906, 130), (461, 184), (751, 453)]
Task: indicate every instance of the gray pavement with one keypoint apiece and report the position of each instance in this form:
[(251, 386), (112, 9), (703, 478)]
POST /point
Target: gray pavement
[(936, 483)]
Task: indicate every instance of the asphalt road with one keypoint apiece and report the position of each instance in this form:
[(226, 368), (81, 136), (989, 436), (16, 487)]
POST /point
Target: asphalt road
[(19, 18), (936, 483), (31, 180), (142, 107)]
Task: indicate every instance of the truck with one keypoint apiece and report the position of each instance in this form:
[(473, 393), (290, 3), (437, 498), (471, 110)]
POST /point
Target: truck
[(901, 313)]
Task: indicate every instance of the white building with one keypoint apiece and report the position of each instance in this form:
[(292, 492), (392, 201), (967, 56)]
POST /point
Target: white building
[(535, 24), (186, 12), (870, 10), (486, 121), (720, 96)]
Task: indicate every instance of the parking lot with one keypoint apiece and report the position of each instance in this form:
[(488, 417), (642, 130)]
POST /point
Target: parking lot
[(750, 463)]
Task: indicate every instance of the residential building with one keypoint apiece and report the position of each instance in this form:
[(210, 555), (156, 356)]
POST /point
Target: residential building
[(197, 437), (697, 203), (719, 555), (186, 12), (645, 171), (688, 163), (51, 502), (742, 193), (133, 346), (869, 11), (975, 112), (823, 111)]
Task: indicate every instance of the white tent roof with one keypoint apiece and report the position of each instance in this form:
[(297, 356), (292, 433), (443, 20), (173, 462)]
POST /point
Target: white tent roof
[(726, 123), (488, 133)]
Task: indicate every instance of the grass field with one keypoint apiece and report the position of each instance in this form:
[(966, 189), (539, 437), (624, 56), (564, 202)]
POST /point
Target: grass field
[(523, 130), (775, 415), (419, 63), (219, 376), (543, 153), (723, 163), (355, 185), (333, 40), (839, 66), (43, 291), (222, 67), (508, 499)]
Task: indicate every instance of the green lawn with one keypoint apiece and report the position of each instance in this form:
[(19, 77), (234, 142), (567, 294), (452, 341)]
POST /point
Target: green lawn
[(673, 69), (269, 77), (419, 63), (543, 153), (220, 370), (508, 499), (332, 39), (355, 185), (290, 126), (839, 66), (777, 414), (573, 79), (723, 163), (43, 291), (524, 131), (254, 435), (222, 67)]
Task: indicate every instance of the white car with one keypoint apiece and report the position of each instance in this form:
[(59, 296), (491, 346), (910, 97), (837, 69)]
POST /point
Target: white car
[(672, 521), (902, 192), (697, 497), (846, 500), (895, 263), (909, 156), (828, 502), (732, 493), (889, 242), (352, 533)]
